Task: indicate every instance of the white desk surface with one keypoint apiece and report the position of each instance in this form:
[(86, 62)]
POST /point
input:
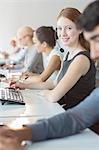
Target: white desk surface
[(36, 107)]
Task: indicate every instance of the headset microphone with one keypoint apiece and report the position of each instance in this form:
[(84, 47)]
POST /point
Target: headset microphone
[(56, 37), (61, 49)]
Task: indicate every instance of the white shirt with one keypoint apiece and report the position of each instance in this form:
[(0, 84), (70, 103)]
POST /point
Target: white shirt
[(47, 57)]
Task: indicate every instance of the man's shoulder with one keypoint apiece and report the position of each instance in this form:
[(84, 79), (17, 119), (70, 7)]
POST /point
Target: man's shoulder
[(95, 93)]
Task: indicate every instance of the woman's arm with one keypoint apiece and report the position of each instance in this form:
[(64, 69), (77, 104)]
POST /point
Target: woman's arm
[(77, 68), (38, 81), (39, 85), (53, 65)]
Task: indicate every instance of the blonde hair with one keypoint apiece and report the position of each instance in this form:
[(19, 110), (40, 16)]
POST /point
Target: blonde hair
[(26, 29)]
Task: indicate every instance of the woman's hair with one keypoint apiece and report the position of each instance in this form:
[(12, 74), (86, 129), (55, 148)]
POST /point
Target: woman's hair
[(73, 14), (46, 34)]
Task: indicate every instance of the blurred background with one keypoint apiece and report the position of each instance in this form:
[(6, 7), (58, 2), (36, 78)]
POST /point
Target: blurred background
[(16, 13)]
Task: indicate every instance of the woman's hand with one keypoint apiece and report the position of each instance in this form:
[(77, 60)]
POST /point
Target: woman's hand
[(17, 85)]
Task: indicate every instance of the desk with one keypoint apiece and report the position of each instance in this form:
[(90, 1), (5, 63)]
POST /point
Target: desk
[(36, 107)]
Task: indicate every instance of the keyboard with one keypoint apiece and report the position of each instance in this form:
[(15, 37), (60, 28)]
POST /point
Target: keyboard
[(9, 95)]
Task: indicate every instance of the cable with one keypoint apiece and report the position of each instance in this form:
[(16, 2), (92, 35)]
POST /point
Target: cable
[(56, 38)]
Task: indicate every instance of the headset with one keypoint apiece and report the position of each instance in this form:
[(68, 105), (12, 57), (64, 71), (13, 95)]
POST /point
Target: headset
[(56, 38), (61, 49)]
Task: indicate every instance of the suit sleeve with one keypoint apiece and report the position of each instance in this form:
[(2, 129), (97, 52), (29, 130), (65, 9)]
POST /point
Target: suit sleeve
[(70, 122)]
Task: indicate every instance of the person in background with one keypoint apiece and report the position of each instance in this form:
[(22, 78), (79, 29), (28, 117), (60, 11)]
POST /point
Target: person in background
[(4, 55), (83, 115), (45, 41), (70, 89), (32, 60), (13, 46), (14, 55)]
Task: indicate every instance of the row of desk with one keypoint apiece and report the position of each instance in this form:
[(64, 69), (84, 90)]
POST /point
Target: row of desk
[(37, 108)]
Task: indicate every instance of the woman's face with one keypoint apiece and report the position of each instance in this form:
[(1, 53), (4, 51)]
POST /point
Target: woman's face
[(67, 32), (39, 46)]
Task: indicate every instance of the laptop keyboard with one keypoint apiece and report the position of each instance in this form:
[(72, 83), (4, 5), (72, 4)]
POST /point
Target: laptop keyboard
[(11, 95)]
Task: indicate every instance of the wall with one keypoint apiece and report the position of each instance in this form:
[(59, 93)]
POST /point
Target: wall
[(16, 13)]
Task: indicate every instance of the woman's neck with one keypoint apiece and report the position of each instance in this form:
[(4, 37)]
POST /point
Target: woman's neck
[(48, 49), (74, 50)]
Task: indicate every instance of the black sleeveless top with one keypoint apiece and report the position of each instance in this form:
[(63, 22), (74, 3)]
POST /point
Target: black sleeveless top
[(84, 85)]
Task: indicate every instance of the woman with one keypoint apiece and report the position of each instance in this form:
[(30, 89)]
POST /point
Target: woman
[(77, 76)]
